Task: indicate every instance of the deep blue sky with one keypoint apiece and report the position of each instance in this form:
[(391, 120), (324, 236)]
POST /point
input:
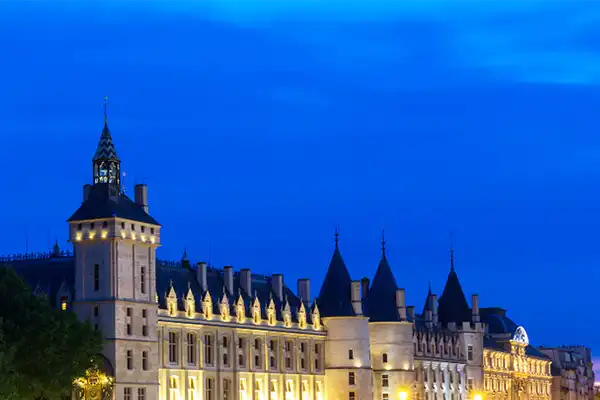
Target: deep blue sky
[(261, 125)]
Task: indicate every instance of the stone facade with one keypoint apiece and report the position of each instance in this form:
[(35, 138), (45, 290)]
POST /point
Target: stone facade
[(572, 372), (184, 331)]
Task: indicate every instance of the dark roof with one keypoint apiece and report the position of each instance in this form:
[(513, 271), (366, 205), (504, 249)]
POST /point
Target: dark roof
[(427, 305), (380, 303), (101, 205), (453, 306), (106, 148), (334, 299), (184, 278)]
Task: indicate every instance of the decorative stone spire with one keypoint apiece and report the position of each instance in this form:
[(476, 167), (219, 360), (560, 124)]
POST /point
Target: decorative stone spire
[(106, 163)]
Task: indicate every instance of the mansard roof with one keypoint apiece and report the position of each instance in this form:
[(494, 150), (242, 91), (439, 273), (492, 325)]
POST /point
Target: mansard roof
[(106, 148), (380, 303), (335, 296), (101, 205), (452, 305)]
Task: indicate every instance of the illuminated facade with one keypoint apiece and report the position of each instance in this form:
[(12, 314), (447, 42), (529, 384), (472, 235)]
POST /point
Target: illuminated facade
[(190, 331), (573, 375), (513, 369)]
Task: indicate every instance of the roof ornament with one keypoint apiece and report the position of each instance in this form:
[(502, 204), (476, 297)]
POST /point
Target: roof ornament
[(105, 109), (383, 243), (337, 237), (451, 251)]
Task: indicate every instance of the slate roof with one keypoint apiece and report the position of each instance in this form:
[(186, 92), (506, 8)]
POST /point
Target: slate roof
[(106, 148), (380, 303), (101, 205), (501, 329), (427, 305), (452, 305), (334, 299)]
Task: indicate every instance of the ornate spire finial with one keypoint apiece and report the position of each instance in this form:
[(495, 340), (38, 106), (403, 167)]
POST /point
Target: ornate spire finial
[(337, 237), (383, 242), (105, 109)]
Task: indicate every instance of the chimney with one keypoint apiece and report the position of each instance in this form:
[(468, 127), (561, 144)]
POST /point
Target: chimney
[(410, 310), (434, 309), (86, 191), (401, 303), (475, 307), (201, 275), (364, 284), (277, 284), (228, 278), (355, 297), (246, 281), (304, 290), (141, 196)]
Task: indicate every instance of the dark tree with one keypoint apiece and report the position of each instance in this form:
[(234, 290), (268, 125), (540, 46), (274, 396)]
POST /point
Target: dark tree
[(42, 349)]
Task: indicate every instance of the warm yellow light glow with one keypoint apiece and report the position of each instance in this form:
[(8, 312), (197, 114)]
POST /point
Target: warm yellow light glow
[(152, 239), (104, 234), (91, 234), (63, 305), (78, 236), (123, 234), (133, 235), (403, 395), (477, 396), (143, 237), (357, 364)]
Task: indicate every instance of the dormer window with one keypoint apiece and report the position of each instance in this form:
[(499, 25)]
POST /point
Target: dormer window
[(122, 225), (143, 228), (92, 225), (152, 231), (133, 227), (80, 226)]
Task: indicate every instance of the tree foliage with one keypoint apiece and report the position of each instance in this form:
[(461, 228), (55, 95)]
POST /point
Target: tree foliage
[(42, 349)]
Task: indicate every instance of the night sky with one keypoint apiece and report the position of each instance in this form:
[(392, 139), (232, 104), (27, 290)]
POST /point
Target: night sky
[(261, 125)]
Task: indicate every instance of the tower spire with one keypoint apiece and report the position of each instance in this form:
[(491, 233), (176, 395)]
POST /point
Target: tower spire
[(383, 243), (337, 237), (105, 109), (451, 251)]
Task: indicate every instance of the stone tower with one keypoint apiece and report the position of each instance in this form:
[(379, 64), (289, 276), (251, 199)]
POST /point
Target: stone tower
[(454, 313), (348, 373), (114, 241), (391, 335)]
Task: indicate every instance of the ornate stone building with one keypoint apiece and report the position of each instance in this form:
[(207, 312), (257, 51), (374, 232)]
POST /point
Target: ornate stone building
[(513, 369), (572, 372), (189, 331)]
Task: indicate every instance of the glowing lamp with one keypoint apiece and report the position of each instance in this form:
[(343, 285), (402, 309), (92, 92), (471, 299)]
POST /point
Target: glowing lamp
[(123, 234), (78, 236), (133, 235), (477, 396), (152, 239), (104, 234), (403, 395), (143, 237)]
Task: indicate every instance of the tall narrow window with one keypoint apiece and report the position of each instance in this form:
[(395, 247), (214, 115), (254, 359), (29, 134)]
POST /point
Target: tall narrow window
[(350, 354), (130, 359), (384, 381), (242, 352), (191, 348), (209, 389), (385, 396), (63, 303), (145, 360), (173, 388), (173, 347), (351, 378), (141, 393), (384, 357), (208, 349), (470, 352), (226, 389), (192, 389), (96, 277), (273, 348), (352, 396), (143, 280), (257, 353), (127, 393)]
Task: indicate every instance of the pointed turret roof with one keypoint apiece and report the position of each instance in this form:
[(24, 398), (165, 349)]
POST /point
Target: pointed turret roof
[(380, 303), (427, 305), (334, 298), (106, 148), (453, 306)]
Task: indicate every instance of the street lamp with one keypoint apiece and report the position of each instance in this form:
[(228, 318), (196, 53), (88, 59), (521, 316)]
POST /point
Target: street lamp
[(403, 395)]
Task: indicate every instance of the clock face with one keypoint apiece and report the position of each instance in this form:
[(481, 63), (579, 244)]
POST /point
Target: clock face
[(94, 394)]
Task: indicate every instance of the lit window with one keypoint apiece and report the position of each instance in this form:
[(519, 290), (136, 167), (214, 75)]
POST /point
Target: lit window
[(173, 388), (384, 381), (192, 389), (352, 396), (226, 389), (385, 396), (63, 303)]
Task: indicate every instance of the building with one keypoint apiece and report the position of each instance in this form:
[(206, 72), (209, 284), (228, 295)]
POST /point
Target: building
[(513, 368), (189, 331), (572, 372)]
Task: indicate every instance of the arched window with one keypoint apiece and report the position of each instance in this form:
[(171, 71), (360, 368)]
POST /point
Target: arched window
[(350, 354), (385, 358)]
